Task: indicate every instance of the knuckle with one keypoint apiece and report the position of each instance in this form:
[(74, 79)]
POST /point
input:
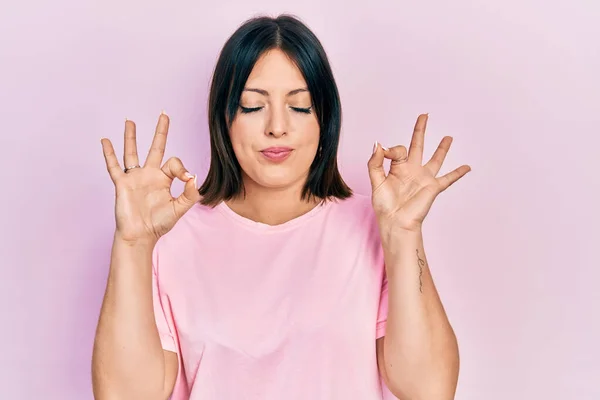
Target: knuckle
[(176, 166), (174, 161), (158, 150)]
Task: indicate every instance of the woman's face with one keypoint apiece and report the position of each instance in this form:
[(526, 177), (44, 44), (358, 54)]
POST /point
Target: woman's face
[(275, 134)]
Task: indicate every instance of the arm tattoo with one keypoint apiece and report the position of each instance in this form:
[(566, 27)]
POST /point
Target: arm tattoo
[(421, 265)]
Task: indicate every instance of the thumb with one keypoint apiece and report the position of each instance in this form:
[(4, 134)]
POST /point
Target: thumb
[(188, 197), (375, 165)]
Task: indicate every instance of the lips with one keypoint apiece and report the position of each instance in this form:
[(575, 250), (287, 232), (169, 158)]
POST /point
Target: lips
[(277, 153)]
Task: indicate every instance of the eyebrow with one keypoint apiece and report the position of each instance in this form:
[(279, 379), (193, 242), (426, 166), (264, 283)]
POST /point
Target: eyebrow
[(265, 93)]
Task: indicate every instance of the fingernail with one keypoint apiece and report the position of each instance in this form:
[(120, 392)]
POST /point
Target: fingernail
[(375, 147), (196, 181), (126, 119), (188, 175), (385, 148), (163, 112)]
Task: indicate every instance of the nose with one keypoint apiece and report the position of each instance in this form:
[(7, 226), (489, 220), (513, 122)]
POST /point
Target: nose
[(277, 123)]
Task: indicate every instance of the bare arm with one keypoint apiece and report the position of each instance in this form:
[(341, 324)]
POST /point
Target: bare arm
[(418, 357), (128, 359)]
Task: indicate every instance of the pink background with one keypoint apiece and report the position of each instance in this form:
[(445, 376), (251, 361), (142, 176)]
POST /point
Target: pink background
[(513, 247)]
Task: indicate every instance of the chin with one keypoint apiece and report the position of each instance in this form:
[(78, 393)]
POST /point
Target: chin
[(279, 183), (276, 179)]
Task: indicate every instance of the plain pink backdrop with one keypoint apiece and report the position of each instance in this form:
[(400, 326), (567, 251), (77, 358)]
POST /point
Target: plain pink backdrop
[(513, 246)]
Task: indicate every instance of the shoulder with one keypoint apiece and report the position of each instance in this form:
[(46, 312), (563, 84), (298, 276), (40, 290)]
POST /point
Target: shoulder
[(355, 230), (194, 224), (356, 214), (357, 208)]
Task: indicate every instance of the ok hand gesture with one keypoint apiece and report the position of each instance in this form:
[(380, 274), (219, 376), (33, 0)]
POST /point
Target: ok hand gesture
[(145, 209)]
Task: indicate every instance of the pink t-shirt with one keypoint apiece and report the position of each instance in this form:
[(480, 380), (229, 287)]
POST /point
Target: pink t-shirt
[(260, 312)]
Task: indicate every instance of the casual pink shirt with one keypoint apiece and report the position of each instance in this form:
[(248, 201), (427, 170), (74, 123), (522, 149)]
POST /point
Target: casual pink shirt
[(260, 312)]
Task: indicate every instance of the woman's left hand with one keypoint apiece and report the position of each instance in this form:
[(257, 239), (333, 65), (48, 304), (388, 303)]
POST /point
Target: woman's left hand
[(403, 198)]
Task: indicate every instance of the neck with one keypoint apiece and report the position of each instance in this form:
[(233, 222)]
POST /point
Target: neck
[(272, 206)]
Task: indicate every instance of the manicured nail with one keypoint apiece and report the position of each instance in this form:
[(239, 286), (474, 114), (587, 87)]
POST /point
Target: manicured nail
[(163, 112), (375, 147), (126, 119), (196, 181), (188, 175), (385, 148)]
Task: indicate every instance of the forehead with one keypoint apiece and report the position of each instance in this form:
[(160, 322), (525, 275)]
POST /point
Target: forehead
[(275, 71)]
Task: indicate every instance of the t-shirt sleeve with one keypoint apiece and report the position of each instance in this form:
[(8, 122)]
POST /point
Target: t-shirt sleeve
[(383, 309), (162, 310)]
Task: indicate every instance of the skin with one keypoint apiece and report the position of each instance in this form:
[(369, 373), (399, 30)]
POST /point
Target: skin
[(277, 87), (128, 361), (418, 358)]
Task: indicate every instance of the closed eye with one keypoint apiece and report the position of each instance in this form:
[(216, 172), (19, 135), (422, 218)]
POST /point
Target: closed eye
[(306, 110), (246, 110)]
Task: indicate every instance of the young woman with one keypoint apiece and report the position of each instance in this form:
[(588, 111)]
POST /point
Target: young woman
[(271, 280)]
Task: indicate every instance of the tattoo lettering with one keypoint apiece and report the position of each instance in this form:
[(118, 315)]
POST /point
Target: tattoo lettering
[(421, 265)]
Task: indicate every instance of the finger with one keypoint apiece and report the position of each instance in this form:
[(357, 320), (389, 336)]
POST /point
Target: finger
[(130, 155), (112, 164), (174, 168), (436, 161), (157, 151), (375, 166), (415, 152), (451, 177), (398, 155), (188, 198)]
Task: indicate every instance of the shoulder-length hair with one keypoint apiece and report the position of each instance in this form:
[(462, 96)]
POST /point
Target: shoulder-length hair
[(236, 60)]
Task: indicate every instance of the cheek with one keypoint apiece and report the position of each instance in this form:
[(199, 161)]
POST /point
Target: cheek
[(245, 133), (310, 133), (242, 135)]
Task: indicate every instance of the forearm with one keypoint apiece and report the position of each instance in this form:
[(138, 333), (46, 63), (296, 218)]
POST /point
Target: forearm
[(128, 360), (420, 348)]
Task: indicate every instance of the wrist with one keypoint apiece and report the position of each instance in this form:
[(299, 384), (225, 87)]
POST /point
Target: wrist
[(392, 233), (138, 243)]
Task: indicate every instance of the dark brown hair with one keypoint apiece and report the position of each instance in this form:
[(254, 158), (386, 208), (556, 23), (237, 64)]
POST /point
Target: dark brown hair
[(237, 58)]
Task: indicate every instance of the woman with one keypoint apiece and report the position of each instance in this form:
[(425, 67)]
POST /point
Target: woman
[(274, 280)]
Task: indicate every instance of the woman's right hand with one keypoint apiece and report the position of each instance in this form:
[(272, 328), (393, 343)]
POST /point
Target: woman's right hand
[(144, 208)]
